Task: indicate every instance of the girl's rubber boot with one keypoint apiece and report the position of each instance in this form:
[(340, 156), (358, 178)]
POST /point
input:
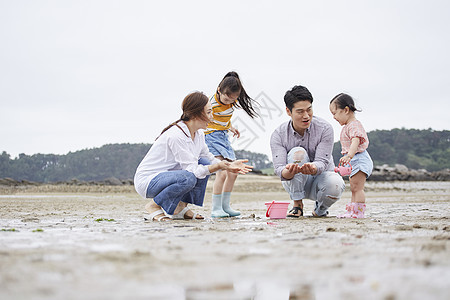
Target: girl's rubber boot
[(217, 210), (354, 210), (226, 205)]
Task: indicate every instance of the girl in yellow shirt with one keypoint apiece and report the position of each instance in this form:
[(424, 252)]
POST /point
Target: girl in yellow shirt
[(230, 94)]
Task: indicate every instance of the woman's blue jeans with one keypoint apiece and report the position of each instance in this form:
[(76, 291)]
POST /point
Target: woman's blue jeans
[(169, 188)]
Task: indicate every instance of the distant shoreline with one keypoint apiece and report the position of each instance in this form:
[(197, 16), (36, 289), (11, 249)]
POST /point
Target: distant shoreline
[(250, 182), (380, 173)]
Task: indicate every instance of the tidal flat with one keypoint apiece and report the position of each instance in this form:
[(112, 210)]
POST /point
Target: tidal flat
[(93, 243)]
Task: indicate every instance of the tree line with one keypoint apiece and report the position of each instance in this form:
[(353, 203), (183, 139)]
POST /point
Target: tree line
[(112, 160), (417, 149)]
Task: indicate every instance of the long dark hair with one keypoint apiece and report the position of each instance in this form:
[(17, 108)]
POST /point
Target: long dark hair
[(342, 100), (232, 84), (193, 106)]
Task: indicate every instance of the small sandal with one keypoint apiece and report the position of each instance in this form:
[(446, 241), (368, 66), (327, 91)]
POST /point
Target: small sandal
[(294, 211), (153, 216), (182, 215)]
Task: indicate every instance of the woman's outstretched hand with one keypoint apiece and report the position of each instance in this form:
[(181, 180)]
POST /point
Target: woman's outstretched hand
[(238, 166)]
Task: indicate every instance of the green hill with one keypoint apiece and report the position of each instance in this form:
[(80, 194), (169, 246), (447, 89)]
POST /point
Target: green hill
[(416, 149), (96, 164)]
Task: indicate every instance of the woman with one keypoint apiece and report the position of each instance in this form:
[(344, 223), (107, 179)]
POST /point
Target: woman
[(176, 169)]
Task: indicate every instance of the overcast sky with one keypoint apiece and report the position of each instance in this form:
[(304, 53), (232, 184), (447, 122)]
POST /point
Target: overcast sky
[(81, 74)]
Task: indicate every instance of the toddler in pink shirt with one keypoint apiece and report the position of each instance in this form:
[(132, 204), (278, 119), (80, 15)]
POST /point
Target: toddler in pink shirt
[(354, 142)]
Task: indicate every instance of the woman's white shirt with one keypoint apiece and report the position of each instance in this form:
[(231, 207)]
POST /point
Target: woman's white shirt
[(174, 150)]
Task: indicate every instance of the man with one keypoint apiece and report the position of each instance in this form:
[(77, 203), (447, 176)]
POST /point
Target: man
[(302, 155)]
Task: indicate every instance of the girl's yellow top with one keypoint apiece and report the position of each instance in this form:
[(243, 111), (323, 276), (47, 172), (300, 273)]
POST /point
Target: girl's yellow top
[(222, 114)]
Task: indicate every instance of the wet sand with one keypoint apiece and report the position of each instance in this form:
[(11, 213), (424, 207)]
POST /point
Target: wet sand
[(92, 243)]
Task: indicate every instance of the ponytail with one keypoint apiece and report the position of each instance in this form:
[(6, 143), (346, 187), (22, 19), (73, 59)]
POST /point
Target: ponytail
[(232, 84), (170, 125)]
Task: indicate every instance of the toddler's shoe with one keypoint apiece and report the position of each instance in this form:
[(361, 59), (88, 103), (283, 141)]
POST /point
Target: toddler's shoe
[(354, 210), (358, 210)]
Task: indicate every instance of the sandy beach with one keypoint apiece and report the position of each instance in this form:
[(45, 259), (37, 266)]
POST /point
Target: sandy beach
[(68, 242)]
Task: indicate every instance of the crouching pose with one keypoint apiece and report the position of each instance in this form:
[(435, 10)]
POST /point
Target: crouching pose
[(176, 169), (302, 155)]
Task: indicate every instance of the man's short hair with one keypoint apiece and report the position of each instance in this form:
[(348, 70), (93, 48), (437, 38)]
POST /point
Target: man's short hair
[(297, 93)]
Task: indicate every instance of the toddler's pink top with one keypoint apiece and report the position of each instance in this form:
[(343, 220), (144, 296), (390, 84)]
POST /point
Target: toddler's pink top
[(350, 131)]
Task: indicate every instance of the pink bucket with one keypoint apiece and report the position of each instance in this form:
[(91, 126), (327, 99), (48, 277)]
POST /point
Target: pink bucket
[(277, 209)]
